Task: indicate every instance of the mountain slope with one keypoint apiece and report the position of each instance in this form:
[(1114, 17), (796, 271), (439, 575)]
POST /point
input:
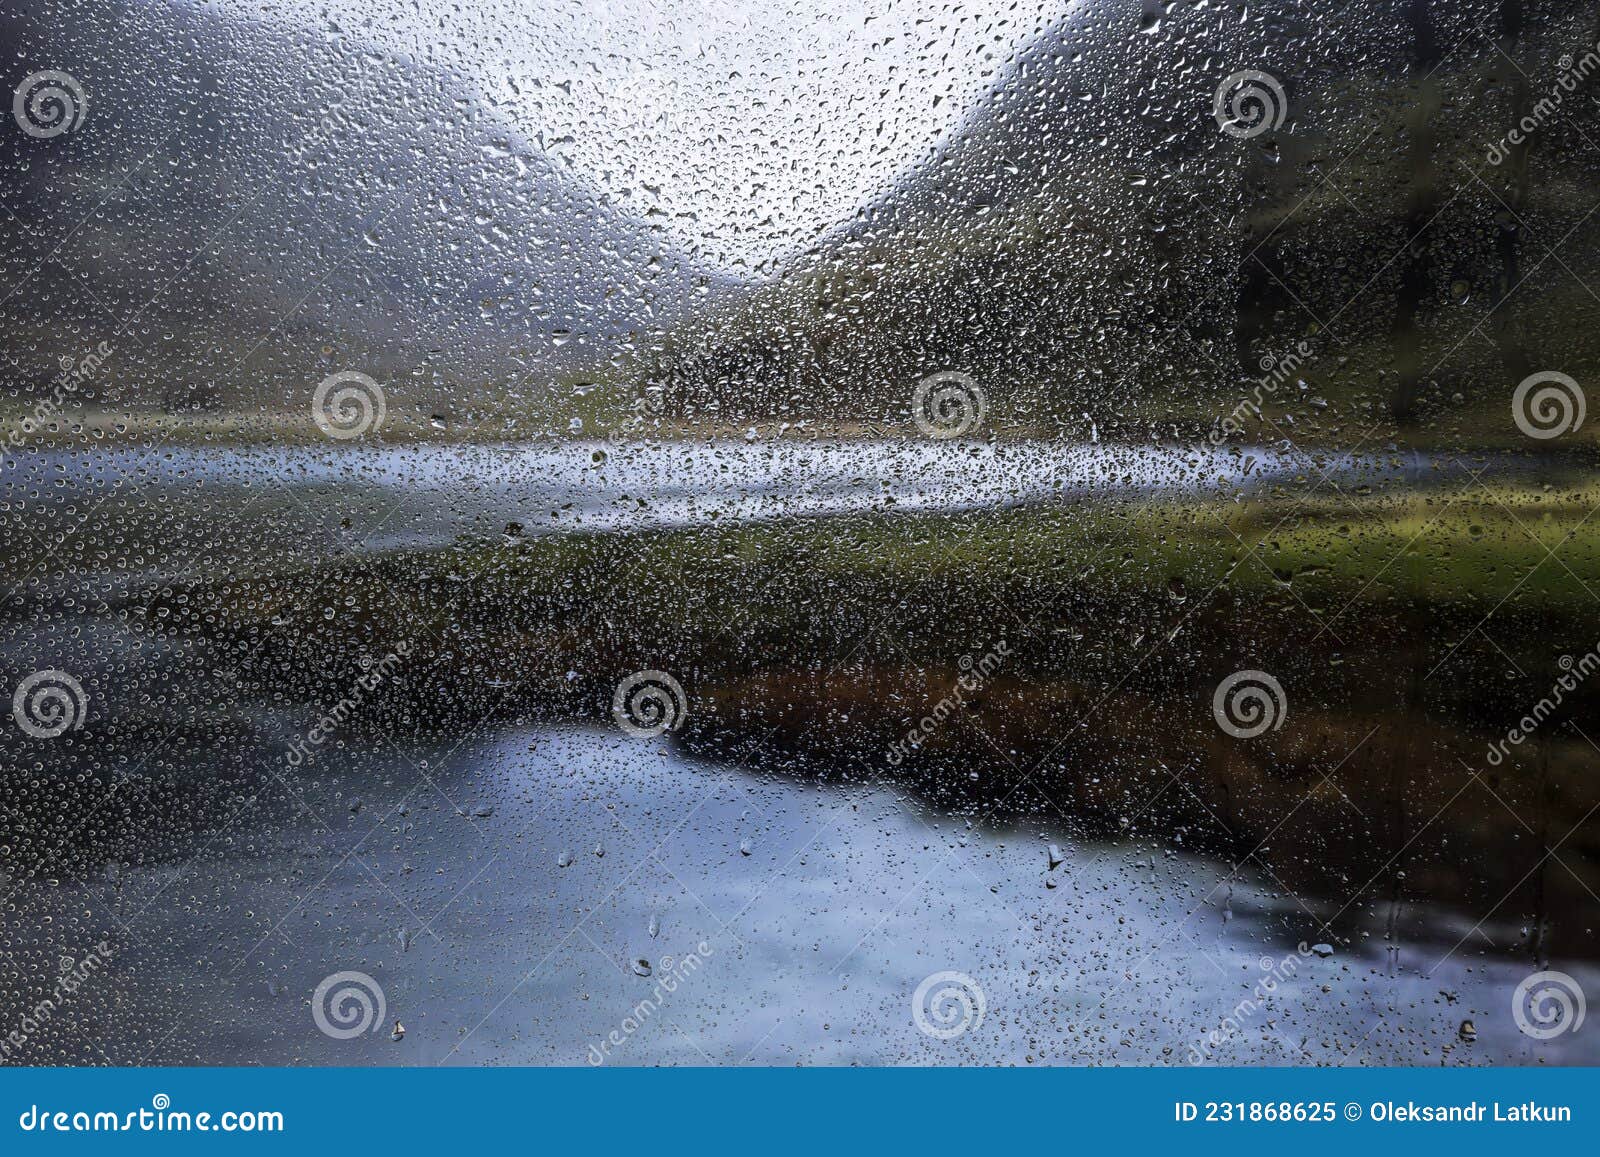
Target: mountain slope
[(1094, 249), (245, 209)]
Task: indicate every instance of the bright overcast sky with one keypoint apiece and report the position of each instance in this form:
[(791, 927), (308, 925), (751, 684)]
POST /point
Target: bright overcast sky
[(758, 125)]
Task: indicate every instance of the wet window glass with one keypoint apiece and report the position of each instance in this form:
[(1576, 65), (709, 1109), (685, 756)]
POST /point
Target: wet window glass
[(699, 532)]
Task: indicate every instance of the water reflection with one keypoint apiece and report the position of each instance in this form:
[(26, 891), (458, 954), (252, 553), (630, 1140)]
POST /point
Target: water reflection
[(820, 907), (844, 812), (198, 512)]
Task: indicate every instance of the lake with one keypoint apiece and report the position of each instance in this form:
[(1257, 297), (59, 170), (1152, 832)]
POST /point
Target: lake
[(946, 783)]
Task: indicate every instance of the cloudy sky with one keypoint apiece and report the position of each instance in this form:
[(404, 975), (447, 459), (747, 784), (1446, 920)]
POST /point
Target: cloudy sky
[(747, 126)]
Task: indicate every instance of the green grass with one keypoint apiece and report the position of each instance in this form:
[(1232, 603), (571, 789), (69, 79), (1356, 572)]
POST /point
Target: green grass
[(1441, 547)]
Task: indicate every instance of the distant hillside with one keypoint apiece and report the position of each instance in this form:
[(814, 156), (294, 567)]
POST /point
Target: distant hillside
[(244, 210), (247, 209), (1094, 250)]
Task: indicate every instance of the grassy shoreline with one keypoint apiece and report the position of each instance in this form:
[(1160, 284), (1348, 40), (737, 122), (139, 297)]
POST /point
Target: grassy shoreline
[(808, 647)]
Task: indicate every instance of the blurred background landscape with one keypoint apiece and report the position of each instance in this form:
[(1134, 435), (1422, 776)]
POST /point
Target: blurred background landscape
[(644, 302)]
